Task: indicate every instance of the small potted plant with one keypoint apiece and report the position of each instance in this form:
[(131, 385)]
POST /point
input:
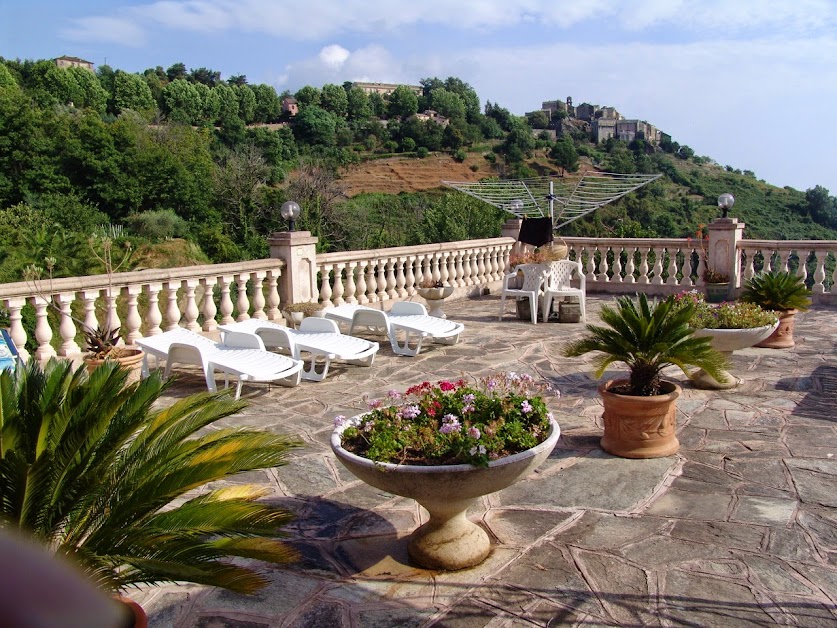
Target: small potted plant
[(640, 412), (716, 283), (130, 490), (784, 293), (295, 312), (445, 445), (731, 325)]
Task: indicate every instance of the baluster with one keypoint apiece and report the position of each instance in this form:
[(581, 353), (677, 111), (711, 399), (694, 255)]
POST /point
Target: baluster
[(16, 330), (172, 310), (400, 278), (435, 274), (496, 270), (590, 264), (833, 288), (410, 278), (154, 317), (749, 267), (672, 267), (361, 285), (325, 285), (66, 328), (258, 294), (658, 267), (382, 281), (208, 303), (43, 332), (338, 284), (460, 272), (190, 310), (88, 298), (819, 273), (242, 302), (392, 293), (350, 287), (481, 269), (273, 313), (133, 320), (475, 268), (802, 269), (643, 265), (226, 305), (618, 266), (112, 317), (371, 282), (603, 265)]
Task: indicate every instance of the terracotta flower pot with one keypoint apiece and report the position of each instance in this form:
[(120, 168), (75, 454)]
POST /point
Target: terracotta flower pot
[(782, 338), (126, 356), (135, 616), (639, 427), (448, 540)]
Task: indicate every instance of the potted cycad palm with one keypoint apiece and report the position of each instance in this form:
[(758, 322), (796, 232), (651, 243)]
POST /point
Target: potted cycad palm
[(640, 412), (95, 470), (784, 293)]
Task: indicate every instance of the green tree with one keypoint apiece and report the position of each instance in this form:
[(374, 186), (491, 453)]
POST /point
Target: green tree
[(538, 119), (228, 103), (182, 102), (315, 125), (130, 91), (519, 142), (334, 99), (307, 97), (7, 79), (357, 105), (207, 77), (246, 103), (237, 79), (468, 95), (378, 105), (268, 104), (564, 154), (176, 71), (403, 103), (449, 104)]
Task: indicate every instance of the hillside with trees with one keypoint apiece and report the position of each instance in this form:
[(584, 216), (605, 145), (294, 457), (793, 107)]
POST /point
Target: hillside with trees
[(177, 154)]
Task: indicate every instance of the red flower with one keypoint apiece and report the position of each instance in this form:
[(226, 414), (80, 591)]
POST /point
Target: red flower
[(446, 386)]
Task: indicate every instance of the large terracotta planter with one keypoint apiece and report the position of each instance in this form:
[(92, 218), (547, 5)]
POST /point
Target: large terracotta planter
[(639, 427), (782, 337), (126, 356), (726, 341), (448, 540), (135, 616)]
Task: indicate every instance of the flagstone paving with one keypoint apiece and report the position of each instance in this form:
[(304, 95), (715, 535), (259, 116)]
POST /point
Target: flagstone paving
[(738, 529)]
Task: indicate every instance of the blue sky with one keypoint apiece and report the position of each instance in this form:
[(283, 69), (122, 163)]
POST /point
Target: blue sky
[(750, 83)]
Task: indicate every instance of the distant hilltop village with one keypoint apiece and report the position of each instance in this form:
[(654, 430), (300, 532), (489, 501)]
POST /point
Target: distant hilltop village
[(600, 123)]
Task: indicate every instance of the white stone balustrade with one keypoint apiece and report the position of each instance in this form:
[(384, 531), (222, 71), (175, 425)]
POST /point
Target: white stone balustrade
[(186, 295), (202, 297)]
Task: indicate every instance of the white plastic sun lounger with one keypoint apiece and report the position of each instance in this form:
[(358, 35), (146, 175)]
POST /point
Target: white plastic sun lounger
[(406, 318), (319, 338), (242, 355)]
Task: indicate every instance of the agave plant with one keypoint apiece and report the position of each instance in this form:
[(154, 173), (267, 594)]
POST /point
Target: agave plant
[(777, 290), (648, 338), (94, 470)]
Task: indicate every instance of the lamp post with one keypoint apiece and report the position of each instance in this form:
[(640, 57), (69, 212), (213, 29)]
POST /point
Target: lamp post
[(725, 203), (290, 212), (516, 206)]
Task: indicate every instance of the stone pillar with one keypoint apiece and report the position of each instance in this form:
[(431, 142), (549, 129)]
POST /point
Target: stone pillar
[(511, 229), (298, 249), (722, 254)]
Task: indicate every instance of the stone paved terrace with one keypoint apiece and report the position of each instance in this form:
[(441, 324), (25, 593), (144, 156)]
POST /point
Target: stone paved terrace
[(739, 529)]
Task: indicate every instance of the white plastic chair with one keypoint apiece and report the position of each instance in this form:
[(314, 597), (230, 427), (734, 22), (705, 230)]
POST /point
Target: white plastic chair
[(318, 337), (533, 280), (406, 319), (558, 284), (242, 355)]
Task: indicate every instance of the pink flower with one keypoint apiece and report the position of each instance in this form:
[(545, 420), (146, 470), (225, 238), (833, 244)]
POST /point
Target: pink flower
[(474, 432)]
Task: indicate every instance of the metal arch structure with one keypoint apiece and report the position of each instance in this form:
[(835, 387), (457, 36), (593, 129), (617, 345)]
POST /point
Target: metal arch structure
[(563, 199)]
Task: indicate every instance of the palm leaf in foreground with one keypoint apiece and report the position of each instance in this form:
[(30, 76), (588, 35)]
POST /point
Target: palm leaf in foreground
[(92, 470)]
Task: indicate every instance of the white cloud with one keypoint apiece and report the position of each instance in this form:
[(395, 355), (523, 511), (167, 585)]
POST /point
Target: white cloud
[(334, 56), (106, 29)]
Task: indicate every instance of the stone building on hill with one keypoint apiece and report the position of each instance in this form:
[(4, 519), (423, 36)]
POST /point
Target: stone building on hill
[(604, 122), (73, 62)]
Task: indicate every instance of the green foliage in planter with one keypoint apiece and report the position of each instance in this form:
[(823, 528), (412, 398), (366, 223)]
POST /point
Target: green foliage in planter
[(727, 315), (309, 308), (777, 290), (91, 467), (647, 338)]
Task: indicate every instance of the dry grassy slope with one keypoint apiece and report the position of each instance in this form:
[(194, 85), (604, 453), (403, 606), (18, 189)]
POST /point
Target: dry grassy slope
[(408, 174)]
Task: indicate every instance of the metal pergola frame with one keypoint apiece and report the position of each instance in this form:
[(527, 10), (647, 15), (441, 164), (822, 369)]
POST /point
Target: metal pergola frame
[(563, 199)]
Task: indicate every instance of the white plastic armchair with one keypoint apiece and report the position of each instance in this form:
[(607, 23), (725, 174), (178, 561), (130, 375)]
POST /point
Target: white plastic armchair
[(533, 281), (558, 284)]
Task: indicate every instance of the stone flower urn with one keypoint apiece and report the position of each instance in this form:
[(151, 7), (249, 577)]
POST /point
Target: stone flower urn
[(726, 341), (448, 540), (435, 297)]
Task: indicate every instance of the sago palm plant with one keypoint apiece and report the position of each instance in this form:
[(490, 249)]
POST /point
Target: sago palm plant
[(777, 290), (647, 338), (91, 467)]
